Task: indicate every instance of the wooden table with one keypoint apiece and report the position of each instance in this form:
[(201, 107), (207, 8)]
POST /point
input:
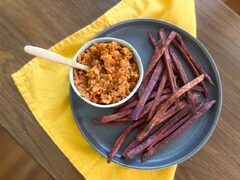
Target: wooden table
[(46, 22)]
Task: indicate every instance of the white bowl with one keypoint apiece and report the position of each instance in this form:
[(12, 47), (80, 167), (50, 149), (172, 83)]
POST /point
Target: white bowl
[(136, 58)]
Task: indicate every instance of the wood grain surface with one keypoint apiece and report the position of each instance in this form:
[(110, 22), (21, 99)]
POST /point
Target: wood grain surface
[(46, 22), (17, 164), (233, 4)]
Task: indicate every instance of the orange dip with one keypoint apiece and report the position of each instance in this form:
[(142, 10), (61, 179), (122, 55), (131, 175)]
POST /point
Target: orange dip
[(112, 76)]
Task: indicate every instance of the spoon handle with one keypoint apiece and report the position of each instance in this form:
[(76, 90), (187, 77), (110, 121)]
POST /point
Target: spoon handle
[(49, 55)]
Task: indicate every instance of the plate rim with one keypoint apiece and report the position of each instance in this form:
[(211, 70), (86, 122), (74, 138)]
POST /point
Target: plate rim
[(218, 84)]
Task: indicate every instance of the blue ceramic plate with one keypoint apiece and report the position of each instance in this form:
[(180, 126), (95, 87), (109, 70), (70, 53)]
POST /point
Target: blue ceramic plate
[(191, 141)]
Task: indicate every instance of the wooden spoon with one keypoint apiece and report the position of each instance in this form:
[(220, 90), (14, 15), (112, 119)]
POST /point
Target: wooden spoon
[(51, 56)]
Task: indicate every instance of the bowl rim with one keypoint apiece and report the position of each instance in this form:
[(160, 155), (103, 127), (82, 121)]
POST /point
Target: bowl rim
[(136, 58)]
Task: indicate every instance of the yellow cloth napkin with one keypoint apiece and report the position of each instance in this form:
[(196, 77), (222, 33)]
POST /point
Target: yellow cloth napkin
[(45, 88)]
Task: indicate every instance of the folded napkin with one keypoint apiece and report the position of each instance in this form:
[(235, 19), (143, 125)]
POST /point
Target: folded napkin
[(45, 88)]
